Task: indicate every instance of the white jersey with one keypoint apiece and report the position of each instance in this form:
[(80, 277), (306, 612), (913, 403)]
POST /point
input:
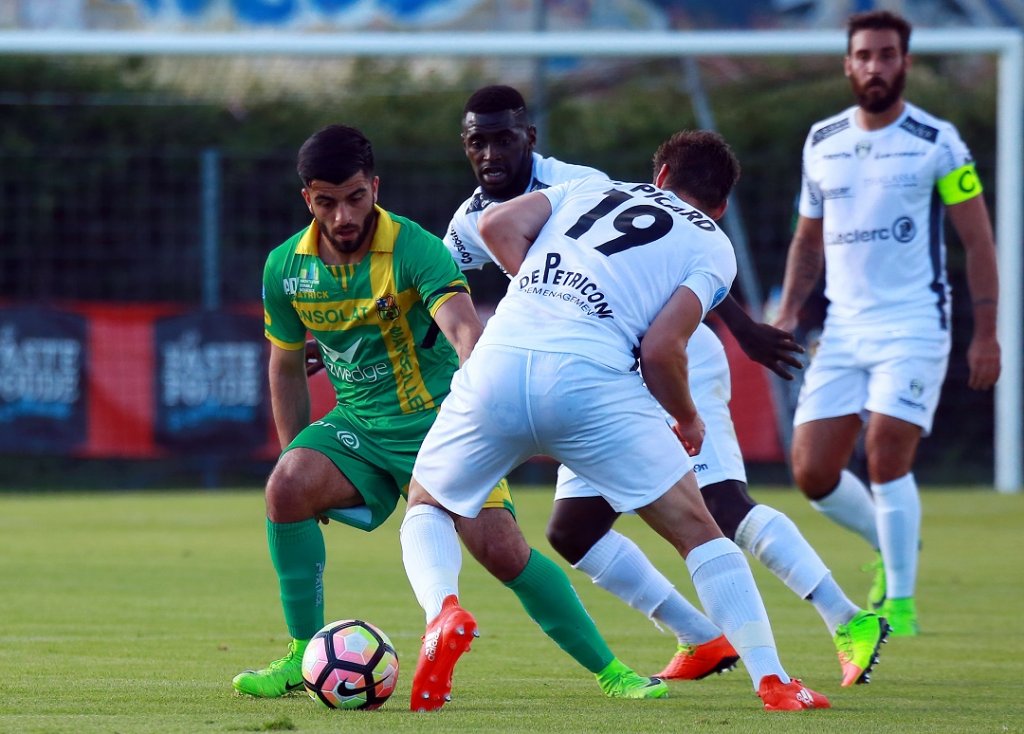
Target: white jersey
[(881, 195), (463, 236), (605, 263)]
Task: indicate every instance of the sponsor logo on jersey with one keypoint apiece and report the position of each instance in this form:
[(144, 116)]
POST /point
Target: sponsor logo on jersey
[(568, 285), (902, 230), (719, 296), (862, 149), (387, 308), (354, 374), (341, 365), (893, 181), (308, 283), (464, 257), (842, 192), (829, 130), (478, 202), (408, 381), (345, 356), (834, 156), (900, 154), (920, 130), (315, 315)]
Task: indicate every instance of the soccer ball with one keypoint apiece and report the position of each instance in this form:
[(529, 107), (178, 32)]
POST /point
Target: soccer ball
[(350, 664)]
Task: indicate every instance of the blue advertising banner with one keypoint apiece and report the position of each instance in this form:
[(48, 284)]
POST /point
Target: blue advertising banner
[(43, 358), (210, 384)]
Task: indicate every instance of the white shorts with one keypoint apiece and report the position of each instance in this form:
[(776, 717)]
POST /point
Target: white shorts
[(894, 373), (720, 458), (509, 404)]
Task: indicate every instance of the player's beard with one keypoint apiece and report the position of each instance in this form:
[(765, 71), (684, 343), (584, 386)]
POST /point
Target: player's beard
[(347, 247), (871, 101)]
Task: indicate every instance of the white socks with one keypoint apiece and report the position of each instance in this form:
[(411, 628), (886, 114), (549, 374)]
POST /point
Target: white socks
[(726, 589), (851, 506), (616, 564), (899, 533), (774, 540), (432, 556)]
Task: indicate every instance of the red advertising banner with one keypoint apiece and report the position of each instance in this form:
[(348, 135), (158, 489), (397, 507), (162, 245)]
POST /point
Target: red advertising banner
[(152, 380), (120, 362)]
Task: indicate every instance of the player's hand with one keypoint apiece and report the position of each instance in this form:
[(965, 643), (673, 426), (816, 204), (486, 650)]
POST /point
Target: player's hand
[(984, 362), (690, 434), (786, 322), (314, 362), (772, 347)]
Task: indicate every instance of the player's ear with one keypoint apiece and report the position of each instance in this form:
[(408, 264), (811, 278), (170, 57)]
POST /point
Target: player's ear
[(308, 199), (661, 176), (718, 212)]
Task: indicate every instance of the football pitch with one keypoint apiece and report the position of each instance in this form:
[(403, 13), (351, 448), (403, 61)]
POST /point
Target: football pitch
[(131, 612)]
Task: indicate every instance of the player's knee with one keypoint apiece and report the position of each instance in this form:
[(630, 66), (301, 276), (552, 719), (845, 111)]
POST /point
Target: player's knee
[(889, 460), (569, 540), (577, 523), (279, 500), (495, 540), (815, 480), (286, 495), (728, 502)]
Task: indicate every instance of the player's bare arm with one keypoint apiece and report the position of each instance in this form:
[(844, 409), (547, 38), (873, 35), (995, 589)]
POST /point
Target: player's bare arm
[(664, 364), (971, 221), (510, 228), (459, 322), (804, 265), (289, 392), (762, 343)]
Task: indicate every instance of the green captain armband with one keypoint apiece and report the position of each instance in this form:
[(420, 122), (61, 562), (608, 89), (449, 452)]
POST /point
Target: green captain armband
[(960, 184)]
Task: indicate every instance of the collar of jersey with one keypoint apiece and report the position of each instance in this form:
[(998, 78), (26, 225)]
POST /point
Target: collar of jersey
[(383, 238)]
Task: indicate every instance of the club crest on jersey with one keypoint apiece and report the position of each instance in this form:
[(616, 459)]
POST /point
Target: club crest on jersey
[(387, 308), (862, 149)]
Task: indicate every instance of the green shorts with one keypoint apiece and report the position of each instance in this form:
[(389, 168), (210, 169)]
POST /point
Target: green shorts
[(378, 460)]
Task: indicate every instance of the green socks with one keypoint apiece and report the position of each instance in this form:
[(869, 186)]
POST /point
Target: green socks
[(549, 598), (297, 551)]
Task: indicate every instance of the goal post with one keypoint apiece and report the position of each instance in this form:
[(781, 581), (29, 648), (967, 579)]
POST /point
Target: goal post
[(1006, 44)]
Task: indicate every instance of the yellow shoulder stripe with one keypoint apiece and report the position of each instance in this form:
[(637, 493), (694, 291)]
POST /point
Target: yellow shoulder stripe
[(290, 346)]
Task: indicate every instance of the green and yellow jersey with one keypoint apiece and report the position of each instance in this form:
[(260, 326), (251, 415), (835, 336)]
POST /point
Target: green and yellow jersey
[(373, 320)]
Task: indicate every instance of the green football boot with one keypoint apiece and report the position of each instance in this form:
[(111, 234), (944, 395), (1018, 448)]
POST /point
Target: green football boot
[(902, 617), (857, 645), (620, 681), (280, 677), (876, 594)]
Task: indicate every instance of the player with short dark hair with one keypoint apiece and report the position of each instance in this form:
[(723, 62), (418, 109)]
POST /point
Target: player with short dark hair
[(499, 143), (877, 179), (393, 319), (554, 373)]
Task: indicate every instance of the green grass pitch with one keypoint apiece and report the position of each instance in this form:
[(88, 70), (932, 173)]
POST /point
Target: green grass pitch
[(131, 612)]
